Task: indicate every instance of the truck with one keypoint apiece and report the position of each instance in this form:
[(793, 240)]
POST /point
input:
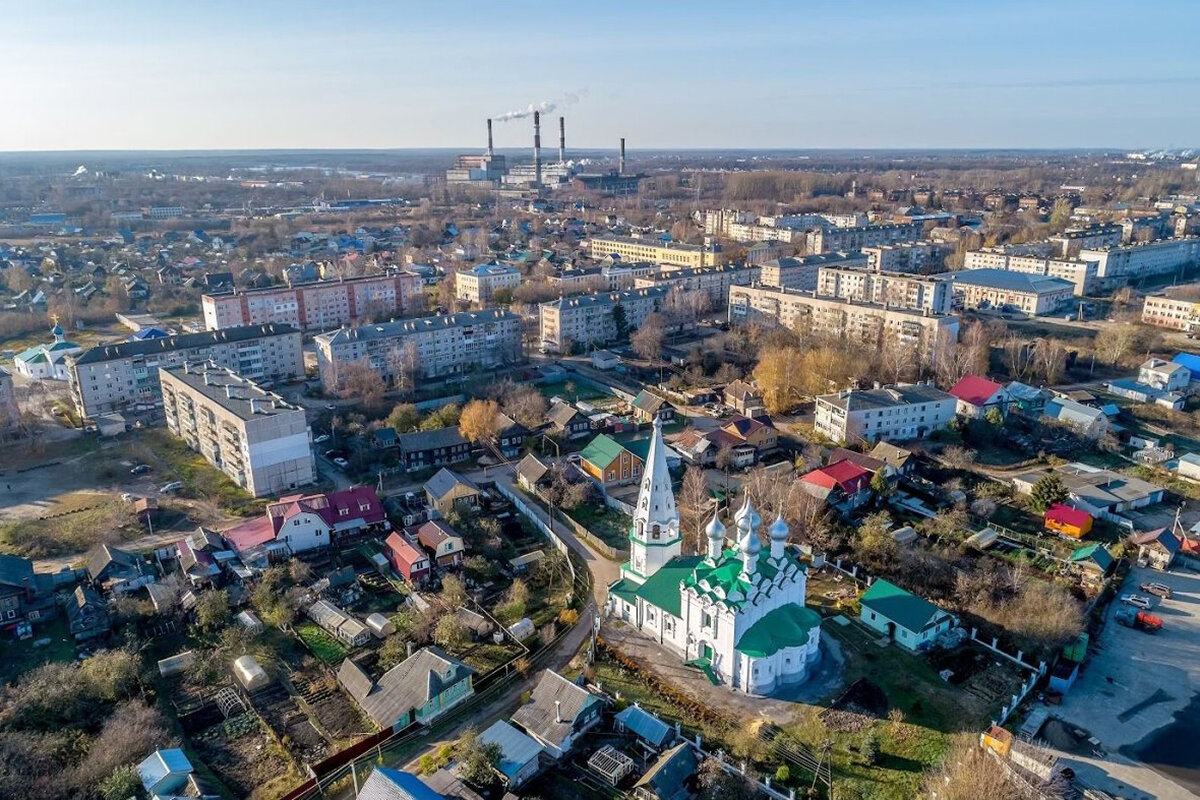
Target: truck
[(1140, 620)]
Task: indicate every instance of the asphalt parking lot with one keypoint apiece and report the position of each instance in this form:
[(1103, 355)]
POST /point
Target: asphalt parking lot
[(1140, 697)]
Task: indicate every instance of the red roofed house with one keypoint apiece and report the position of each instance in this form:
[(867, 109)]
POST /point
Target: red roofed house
[(1068, 521), (306, 522), (843, 484), (406, 558), (975, 395)]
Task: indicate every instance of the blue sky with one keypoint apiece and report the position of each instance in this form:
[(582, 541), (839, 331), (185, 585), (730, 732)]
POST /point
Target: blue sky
[(127, 74)]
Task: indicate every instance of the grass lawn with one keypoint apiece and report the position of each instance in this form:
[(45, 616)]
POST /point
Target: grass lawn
[(321, 643), (487, 657), (608, 525), (174, 460), (580, 390), (17, 658), (927, 712), (72, 523)]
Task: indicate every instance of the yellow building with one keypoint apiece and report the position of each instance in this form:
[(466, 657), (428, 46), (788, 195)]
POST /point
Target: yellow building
[(673, 254)]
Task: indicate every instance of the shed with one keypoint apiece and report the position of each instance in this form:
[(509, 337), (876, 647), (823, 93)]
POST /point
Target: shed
[(644, 725), (1068, 521), (250, 621), (907, 619), (518, 753), (522, 629), (249, 673), (380, 625), (905, 535)]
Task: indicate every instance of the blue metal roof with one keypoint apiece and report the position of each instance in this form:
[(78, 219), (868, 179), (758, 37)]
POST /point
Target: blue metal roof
[(393, 784), (645, 725), (1011, 281), (1189, 360)]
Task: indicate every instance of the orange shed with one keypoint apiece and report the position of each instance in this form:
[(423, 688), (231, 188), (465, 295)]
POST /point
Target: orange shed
[(1068, 521)]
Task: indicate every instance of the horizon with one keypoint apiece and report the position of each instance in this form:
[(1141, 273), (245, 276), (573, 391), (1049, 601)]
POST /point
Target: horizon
[(373, 76)]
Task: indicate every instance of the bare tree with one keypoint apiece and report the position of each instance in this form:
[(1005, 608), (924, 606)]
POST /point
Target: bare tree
[(695, 500), (647, 340)]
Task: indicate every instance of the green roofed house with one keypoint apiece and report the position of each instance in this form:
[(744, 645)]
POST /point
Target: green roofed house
[(610, 462), (910, 621), (1094, 559), (737, 614)]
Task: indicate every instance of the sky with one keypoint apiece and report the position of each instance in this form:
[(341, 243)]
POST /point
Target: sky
[(218, 74)]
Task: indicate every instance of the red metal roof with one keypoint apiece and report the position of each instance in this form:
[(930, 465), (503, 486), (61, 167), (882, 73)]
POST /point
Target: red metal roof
[(1066, 515), (404, 551), (847, 475), (251, 533), (975, 390)]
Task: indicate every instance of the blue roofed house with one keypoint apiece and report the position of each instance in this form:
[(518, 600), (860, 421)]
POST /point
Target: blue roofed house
[(645, 726), (1192, 362), (385, 783), (1087, 421), (518, 753), (908, 620), (670, 777)]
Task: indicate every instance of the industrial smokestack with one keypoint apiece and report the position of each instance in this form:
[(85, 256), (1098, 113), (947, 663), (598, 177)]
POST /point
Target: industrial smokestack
[(621, 169), (491, 152), (537, 148), (562, 140)]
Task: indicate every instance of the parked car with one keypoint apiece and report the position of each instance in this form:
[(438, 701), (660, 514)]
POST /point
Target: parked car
[(341, 462), (1160, 589), (1137, 601), (324, 437), (138, 469), (173, 486)]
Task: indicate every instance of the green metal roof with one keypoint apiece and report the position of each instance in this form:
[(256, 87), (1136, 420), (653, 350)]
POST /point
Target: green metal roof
[(661, 589), (903, 608), (717, 582), (601, 451), (786, 626), (1093, 552)]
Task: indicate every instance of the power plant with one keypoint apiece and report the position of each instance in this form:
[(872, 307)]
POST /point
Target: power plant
[(518, 179)]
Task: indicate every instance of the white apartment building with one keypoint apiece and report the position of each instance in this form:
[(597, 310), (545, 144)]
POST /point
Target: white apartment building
[(316, 306), (255, 437), (592, 318), (1121, 264), (802, 273), (712, 281), (894, 413), (997, 288), (124, 376), (894, 289), (621, 276), (825, 240), (1083, 274), (426, 347), (929, 335), (1068, 243), (922, 257), (675, 254), (477, 284), (1167, 312)]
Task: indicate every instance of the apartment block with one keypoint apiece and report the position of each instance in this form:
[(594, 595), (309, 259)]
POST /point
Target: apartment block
[(1069, 243), (673, 254), (929, 335), (316, 306), (825, 240), (1082, 274), (621, 276), (477, 284), (592, 318), (997, 288), (255, 437), (1167, 312), (893, 413), (893, 289), (917, 257), (712, 281), (124, 377), (426, 347), (802, 273), (1121, 264)]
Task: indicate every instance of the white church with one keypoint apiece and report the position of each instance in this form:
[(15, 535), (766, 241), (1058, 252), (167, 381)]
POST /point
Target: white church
[(737, 613)]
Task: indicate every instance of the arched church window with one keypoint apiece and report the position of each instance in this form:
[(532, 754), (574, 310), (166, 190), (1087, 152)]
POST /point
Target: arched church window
[(657, 532)]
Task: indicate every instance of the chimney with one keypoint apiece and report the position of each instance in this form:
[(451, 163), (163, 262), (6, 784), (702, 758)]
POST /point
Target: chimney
[(490, 151), (558, 711), (253, 405), (229, 390), (562, 140), (621, 169), (537, 148), (207, 378)]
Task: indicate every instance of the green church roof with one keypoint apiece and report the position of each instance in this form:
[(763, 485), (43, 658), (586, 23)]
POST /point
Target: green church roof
[(786, 626), (903, 608)]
